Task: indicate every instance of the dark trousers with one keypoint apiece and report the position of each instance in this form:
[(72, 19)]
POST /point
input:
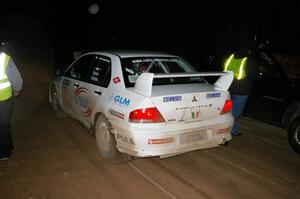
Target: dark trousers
[(6, 142)]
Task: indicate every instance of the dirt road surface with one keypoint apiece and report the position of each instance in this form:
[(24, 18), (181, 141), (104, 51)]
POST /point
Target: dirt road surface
[(55, 157)]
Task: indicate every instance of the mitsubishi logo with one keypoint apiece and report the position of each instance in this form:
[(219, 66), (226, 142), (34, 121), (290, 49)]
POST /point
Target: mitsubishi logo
[(194, 99)]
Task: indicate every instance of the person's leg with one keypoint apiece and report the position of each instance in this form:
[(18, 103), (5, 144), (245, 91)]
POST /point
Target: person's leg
[(238, 105), (6, 142)]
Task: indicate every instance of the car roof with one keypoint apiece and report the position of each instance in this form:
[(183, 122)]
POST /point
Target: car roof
[(135, 53)]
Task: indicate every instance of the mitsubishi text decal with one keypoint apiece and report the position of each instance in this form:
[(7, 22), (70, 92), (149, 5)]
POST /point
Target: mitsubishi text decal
[(81, 99)]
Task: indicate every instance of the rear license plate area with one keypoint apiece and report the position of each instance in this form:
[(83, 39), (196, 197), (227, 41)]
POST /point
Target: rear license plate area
[(192, 137)]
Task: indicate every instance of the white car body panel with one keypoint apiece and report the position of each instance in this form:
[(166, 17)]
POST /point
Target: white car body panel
[(192, 118)]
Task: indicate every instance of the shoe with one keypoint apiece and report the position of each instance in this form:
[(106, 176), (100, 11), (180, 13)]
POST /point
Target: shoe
[(236, 133), (5, 156)]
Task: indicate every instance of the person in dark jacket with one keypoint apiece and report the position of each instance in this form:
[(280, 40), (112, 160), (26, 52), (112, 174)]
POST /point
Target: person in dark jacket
[(245, 71)]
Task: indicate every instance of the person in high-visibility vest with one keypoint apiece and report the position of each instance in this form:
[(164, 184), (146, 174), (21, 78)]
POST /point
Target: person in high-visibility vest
[(245, 71), (10, 86)]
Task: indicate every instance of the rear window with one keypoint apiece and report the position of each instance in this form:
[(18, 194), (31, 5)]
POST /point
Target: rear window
[(133, 67)]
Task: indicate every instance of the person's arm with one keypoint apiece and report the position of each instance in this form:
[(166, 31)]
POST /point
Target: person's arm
[(14, 77)]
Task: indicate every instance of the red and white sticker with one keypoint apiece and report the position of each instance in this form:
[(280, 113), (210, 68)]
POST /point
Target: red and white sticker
[(116, 80), (160, 141), (117, 114)]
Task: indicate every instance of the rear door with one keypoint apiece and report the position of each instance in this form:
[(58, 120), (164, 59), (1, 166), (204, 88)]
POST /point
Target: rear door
[(91, 91)]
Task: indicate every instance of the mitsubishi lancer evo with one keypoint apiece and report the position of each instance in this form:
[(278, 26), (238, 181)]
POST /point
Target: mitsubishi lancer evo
[(145, 103)]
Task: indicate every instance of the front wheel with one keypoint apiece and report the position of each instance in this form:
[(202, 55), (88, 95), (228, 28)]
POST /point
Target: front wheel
[(105, 139), (294, 135)]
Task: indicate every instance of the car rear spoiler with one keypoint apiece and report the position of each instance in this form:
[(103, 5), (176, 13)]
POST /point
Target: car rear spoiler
[(143, 84)]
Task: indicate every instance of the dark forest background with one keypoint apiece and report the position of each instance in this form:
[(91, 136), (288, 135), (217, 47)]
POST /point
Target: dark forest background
[(192, 29)]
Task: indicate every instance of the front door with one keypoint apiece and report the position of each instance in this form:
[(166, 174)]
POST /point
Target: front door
[(75, 77)]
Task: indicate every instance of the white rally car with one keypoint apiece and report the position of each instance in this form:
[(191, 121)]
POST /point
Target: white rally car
[(145, 103)]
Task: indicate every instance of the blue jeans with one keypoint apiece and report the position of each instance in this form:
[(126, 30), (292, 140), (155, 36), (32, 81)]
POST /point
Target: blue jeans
[(238, 105)]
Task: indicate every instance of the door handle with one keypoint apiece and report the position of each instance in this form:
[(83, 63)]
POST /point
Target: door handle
[(98, 92), (76, 85)]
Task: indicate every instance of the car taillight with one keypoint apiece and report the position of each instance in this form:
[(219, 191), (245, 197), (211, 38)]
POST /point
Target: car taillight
[(227, 106), (146, 115)]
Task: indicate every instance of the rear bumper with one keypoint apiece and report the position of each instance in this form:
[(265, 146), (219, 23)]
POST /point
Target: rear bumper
[(149, 141)]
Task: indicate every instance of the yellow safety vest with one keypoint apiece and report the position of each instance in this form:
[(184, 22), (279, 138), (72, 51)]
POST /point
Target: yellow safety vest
[(5, 86), (237, 66)]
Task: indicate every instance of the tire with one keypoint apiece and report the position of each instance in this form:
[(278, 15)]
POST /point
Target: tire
[(106, 143), (54, 100), (294, 135)]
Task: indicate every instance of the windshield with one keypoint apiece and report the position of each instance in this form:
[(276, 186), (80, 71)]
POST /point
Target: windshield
[(133, 67)]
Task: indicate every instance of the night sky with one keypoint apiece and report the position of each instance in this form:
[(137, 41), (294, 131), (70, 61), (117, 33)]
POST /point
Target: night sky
[(192, 29)]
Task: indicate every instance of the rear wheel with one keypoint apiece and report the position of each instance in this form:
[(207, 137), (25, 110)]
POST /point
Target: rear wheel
[(54, 99), (294, 135), (105, 139)]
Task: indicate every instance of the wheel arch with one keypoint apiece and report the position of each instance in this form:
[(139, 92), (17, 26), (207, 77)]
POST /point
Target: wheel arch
[(96, 116), (51, 85), (56, 87), (291, 113), (111, 154), (293, 134)]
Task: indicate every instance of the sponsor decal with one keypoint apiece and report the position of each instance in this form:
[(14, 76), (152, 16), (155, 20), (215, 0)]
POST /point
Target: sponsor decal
[(196, 114), (160, 141), (81, 99), (192, 107), (194, 99), (116, 80), (87, 113), (117, 114), (172, 99), (122, 100), (125, 139), (213, 95)]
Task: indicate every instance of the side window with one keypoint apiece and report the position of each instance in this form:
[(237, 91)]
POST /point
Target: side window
[(80, 68), (100, 72)]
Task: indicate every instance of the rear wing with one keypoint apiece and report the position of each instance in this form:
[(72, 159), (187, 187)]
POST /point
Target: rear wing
[(143, 84)]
